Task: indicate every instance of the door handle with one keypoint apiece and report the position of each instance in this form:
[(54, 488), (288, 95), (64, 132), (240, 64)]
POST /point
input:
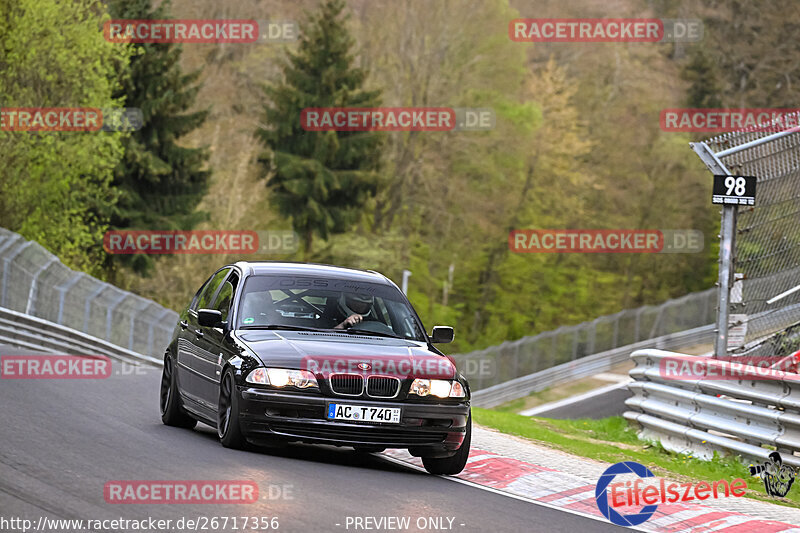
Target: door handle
[(184, 324), (198, 333)]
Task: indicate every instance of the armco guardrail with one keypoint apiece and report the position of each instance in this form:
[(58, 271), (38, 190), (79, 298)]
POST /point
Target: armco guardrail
[(34, 282), (28, 332), (700, 416), (584, 367), (761, 329)]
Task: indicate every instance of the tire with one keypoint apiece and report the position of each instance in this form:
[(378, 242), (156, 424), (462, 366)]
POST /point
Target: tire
[(172, 414), (450, 466), (228, 428)]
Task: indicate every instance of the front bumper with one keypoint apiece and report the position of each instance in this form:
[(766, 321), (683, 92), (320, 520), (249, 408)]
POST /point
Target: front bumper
[(425, 429)]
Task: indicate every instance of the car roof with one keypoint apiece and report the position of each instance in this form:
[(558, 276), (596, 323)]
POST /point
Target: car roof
[(251, 268)]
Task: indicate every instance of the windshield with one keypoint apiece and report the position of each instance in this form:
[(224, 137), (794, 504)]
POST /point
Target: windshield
[(308, 302)]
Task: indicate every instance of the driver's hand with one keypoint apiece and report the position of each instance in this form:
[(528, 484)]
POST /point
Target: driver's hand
[(350, 321)]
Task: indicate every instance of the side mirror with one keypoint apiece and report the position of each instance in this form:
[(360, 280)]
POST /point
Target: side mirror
[(442, 334), (209, 318)]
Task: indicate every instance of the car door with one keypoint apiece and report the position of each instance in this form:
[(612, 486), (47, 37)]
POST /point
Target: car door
[(216, 343), (191, 346)]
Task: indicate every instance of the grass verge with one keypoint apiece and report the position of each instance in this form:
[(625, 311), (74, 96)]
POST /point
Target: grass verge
[(612, 440)]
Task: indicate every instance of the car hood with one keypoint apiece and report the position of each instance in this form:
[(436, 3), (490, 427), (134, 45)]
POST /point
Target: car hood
[(326, 353)]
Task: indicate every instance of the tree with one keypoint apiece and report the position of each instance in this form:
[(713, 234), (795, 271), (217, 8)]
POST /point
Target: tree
[(56, 186), (705, 89), (322, 180), (159, 181)]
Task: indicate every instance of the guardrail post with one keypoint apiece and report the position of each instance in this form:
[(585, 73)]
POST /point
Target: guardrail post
[(30, 307), (6, 261), (6, 244), (142, 306), (637, 324), (576, 335), (100, 288), (110, 310), (62, 289)]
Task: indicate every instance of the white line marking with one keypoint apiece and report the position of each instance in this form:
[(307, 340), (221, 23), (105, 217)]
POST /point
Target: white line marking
[(503, 493), (533, 411)]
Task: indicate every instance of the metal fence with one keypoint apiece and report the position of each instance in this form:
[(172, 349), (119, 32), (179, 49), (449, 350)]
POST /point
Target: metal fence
[(705, 414), (529, 355), (33, 281), (766, 256)]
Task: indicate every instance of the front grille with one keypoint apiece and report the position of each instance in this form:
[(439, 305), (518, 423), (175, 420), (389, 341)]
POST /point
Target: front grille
[(382, 386), (360, 434), (347, 384)]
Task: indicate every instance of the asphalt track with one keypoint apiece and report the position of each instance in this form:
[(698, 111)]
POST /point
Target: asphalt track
[(611, 403), (63, 439)]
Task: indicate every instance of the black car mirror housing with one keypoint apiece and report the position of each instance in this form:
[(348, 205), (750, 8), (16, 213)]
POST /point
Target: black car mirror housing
[(442, 334), (209, 318)]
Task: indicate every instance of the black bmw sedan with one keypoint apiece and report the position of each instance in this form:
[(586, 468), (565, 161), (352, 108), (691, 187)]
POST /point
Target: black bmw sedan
[(287, 352)]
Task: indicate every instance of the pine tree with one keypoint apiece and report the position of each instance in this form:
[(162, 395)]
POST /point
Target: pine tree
[(705, 90), (160, 182), (322, 180)]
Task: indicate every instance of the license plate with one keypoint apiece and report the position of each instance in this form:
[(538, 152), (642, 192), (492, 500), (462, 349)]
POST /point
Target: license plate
[(363, 413)]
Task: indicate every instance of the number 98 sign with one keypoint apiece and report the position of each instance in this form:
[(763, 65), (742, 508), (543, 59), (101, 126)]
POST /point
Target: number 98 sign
[(734, 190)]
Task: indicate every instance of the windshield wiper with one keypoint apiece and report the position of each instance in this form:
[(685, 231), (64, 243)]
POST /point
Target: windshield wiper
[(284, 327), (369, 332)]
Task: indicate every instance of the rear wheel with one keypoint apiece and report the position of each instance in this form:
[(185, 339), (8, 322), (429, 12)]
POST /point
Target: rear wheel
[(228, 428), (172, 414), (450, 466)]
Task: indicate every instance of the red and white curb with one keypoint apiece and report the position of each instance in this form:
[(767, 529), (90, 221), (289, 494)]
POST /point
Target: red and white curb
[(549, 487)]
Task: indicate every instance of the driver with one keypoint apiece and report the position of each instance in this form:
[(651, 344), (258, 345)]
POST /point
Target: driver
[(356, 307)]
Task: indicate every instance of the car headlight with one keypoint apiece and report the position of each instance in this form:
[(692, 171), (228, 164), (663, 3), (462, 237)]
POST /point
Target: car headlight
[(282, 377), (441, 388)]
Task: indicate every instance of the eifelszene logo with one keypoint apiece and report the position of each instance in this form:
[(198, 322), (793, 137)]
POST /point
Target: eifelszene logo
[(601, 494), (778, 477), (644, 492)]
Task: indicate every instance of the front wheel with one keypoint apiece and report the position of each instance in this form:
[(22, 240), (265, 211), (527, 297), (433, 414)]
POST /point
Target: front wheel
[(172, 414), (450, 466), (228, 428)]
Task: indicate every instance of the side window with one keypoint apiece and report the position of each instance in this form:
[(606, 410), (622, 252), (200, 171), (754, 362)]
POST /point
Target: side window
[(223, 301), (204, 299)]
